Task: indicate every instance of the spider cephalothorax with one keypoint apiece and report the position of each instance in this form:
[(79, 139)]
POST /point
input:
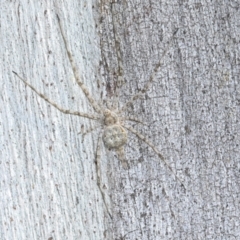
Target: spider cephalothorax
[(114, 135), (110, 117)]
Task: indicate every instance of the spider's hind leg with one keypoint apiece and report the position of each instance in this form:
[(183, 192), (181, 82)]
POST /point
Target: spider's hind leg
[(151, 145), (89, 130), (98, 156), (122, 157)]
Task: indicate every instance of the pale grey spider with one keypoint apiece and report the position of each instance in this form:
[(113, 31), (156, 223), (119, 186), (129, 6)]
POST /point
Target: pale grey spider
[(115, 130)]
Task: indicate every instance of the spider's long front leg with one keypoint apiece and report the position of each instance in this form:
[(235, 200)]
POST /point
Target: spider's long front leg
[(149, 82), (98, 156), (120, 79), (94, 104), (148, 142), (65, 111)]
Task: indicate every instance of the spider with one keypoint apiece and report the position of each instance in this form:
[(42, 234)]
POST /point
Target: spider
[(115, 130)]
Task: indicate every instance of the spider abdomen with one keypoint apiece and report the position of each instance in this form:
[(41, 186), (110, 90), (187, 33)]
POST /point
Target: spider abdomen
[(114, 136)]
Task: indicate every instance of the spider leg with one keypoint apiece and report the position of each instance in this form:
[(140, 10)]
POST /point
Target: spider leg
[(120, 79), (65, 111), (98, 156), (88, 131), (122, 157), (133, 119), (96, 107), (149, 82), (150, 144)]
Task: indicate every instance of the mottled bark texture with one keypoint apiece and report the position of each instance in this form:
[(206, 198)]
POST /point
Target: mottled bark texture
[(191, 112)]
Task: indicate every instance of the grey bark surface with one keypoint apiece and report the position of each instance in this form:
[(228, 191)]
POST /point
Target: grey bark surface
[(191, 112)]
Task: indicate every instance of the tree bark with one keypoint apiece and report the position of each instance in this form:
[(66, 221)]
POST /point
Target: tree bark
[(190, 113)]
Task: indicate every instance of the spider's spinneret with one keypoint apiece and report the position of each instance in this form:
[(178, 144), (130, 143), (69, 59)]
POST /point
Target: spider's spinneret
[(114, 135)]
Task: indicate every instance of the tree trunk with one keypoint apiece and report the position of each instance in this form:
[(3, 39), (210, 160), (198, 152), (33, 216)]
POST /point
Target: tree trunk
[(190, 114)]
